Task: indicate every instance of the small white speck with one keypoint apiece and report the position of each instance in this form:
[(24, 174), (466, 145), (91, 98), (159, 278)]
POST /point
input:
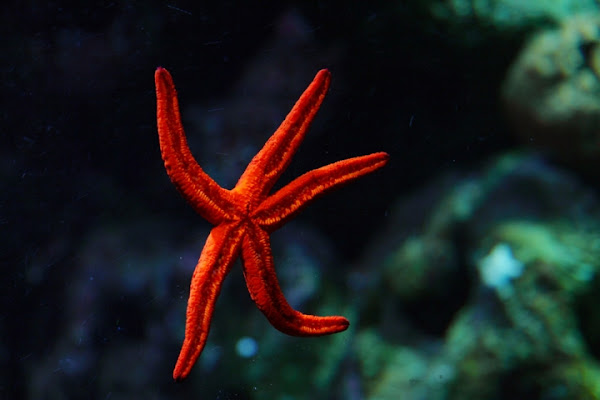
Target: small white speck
[(499, 267)]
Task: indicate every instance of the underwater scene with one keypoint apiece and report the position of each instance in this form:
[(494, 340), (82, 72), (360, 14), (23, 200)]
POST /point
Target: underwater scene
[(300, 200)]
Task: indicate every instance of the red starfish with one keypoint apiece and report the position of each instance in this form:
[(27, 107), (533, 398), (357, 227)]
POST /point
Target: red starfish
[(244, 217)]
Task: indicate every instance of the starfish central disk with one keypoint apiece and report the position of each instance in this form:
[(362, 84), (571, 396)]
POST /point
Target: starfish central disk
[(244, 216)]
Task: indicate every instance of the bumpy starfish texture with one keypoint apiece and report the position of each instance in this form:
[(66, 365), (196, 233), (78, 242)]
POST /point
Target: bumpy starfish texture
[(244, 217)]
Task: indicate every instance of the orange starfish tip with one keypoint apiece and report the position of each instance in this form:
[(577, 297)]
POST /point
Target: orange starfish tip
[(246, 215)]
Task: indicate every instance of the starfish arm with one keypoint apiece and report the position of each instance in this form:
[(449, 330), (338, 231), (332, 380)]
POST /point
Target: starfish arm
[(218, 255), (280, 207), (270, 162), (199, 189), (265, 291)]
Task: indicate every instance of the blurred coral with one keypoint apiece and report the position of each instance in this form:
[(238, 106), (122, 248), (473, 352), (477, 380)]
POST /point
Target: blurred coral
[(489, 284), (552, 92)]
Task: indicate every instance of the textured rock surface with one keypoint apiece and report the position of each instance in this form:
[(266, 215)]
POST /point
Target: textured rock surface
[(552, 91)]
